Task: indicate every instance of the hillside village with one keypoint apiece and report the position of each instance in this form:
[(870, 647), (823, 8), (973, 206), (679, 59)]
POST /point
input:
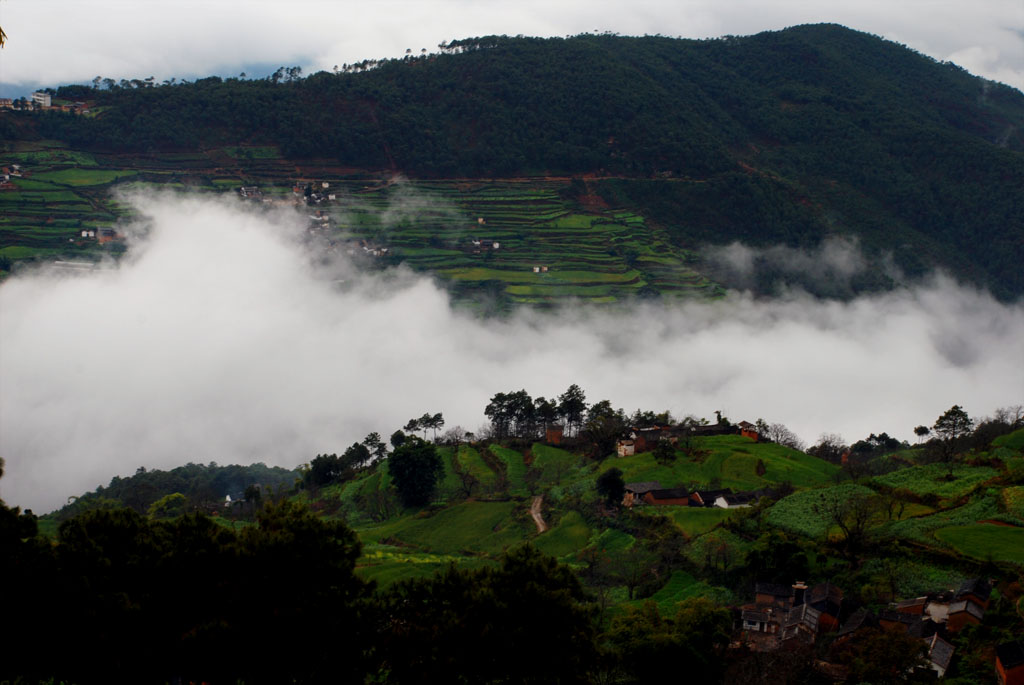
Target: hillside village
[(567, 541), (816, 563)]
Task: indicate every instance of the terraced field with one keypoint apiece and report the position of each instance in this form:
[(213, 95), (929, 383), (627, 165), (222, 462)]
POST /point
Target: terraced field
[(731, 461), (501, 243)]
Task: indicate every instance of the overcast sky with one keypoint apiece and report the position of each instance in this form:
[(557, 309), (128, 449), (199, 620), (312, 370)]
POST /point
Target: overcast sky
[(217, 341), (52, 42)]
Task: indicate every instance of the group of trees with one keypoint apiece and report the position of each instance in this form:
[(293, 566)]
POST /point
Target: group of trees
[(325, 469), (517, 415), (954, 432), (203, 487), (189, 600)]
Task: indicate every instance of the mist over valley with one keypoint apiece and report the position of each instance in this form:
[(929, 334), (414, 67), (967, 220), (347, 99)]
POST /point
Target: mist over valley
[(224, 335)]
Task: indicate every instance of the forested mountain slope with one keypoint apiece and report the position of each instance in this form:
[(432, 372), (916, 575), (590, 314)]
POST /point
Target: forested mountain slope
[(779, 138)]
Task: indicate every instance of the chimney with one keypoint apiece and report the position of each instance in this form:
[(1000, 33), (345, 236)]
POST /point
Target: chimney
[(799, 589)]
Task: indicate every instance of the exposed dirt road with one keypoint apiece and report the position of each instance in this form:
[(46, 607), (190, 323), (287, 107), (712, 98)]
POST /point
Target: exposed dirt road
[(535, 513)]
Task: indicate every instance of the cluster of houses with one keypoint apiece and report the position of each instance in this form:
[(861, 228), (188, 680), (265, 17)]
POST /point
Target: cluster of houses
[(100, 235), (651, 492), (479, 245), (8, 173), (786, 617), (646, 438), (43, 100), (311, 194)]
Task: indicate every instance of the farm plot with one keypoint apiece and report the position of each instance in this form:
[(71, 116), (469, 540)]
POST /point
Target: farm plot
[(467, 528), (515, 468), (84, 177), (568, 536), (695, 521), (552, 462), (985, 541), (681, 586), (471, 461), (799, 513), (931, 479)]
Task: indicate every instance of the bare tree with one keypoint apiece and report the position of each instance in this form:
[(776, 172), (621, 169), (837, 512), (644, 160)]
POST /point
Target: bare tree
[(778, 433), (852, 515)]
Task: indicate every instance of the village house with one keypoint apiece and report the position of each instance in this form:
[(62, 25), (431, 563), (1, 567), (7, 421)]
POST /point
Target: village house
[(636, 491), (748, 430), (706, 498), (668, 497), (795, 614), (977, 590), (6, 103), (41, 99), (553, 434), (940, 653), (859, 621), (1010, 663), (625, 448), (736, 501)]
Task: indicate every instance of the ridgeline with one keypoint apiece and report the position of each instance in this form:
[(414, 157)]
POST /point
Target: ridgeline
[(781, 138)]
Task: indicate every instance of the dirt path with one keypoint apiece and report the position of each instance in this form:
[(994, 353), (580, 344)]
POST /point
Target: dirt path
[(535, 513)]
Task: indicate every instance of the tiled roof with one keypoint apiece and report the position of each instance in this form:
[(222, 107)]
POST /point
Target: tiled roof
[(645, 486), (1011, 654)]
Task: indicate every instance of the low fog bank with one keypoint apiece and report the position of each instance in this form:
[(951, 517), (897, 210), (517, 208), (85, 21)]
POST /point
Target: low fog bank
[(836, 269), (218, 341)]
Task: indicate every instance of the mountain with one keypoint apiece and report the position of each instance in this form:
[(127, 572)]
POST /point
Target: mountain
[(781, 138)]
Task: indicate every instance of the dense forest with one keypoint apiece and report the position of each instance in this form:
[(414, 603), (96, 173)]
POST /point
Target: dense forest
[(778, 138)]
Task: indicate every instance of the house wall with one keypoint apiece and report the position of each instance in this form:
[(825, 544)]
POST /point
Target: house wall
[(1014, 676), (677, 501), (957, 621), (553, 435)]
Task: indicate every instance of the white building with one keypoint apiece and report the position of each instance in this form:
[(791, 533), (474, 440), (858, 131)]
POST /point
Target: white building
[(41, 99)]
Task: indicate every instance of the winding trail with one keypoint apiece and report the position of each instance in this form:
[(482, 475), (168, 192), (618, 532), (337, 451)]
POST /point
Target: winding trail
[(535, 513)]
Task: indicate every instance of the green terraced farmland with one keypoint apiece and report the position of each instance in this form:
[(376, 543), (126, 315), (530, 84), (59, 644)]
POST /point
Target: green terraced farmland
[(931, 479), (497, 244), (570, 535), (471, 461), (515, 468), (696, 521), (731, 459), (470, 527), (986, 541)]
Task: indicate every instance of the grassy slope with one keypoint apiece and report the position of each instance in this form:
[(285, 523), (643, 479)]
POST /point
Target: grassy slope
[(731, 460)]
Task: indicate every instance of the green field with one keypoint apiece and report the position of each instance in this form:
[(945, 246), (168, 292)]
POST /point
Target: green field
[(681, 586), (696, 521), (472, 462), (731, 460), (931, 479), (552, 462), (84, 177), (798, 513), (568, 536), (515, 467), (551, 250), (985, 541), (467, 528)]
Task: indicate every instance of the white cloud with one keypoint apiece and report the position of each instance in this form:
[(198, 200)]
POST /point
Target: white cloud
[(219, 341)]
